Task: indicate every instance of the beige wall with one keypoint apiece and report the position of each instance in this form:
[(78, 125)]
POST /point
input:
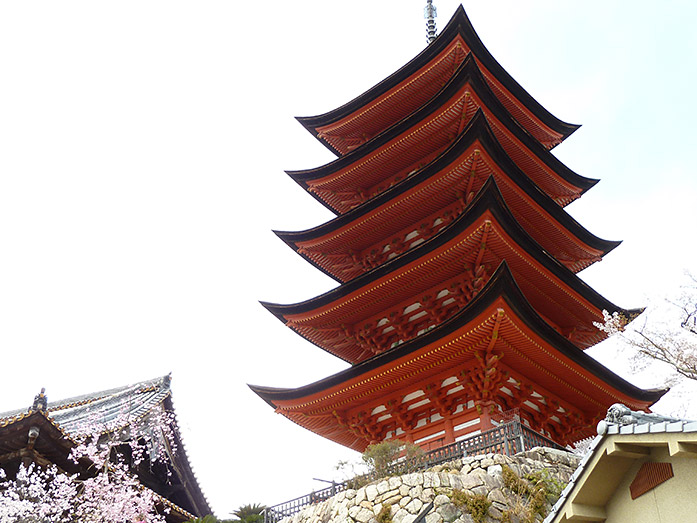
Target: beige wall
[(673, 501)]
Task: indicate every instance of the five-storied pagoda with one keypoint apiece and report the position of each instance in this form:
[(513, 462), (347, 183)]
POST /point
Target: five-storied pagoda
[(458, 297)]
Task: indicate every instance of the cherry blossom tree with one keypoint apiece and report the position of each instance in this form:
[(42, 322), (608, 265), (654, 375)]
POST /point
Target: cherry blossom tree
[(111, 492), (666, 334)]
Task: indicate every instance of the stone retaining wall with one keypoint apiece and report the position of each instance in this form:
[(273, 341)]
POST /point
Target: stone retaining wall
[(407, 495)]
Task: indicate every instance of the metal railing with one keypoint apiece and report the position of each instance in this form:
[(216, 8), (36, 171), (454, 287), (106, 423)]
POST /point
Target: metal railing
[(507, 438)]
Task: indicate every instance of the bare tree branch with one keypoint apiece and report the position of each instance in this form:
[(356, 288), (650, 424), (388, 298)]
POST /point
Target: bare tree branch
[(672, 341)]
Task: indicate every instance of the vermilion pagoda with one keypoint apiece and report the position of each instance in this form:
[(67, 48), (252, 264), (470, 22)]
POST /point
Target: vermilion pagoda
[(458, 296)]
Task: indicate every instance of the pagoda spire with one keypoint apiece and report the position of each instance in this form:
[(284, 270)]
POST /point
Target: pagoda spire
[(430, 15)]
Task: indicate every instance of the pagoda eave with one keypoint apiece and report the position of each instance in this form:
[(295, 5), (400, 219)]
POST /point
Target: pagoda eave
[(319, 318), (468, 87), (500, 320), (435, 187)]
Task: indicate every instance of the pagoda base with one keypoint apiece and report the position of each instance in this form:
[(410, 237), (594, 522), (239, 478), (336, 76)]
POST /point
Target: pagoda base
[(509, 437)]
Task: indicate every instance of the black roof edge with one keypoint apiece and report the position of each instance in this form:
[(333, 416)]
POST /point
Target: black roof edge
[(468, 71), (551, 121), (197, 497), (272, 308), (477, 129), (488, 198), (502, 283), (460, 24)]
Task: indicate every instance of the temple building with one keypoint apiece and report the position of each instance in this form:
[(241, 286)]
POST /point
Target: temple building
[(46, 432), (458, 300), (639, 468)]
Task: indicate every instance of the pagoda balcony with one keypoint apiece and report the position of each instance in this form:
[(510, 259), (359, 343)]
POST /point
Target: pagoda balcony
[(509, 438)]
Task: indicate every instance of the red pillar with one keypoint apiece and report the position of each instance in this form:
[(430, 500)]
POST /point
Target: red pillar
[(484, 409), (449, 431)]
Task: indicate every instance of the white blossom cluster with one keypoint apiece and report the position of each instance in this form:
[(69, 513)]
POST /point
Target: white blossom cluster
[(112, 494), (37, 496), (612, 323)]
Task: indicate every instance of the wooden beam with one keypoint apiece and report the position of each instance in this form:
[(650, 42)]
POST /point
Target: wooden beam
[(40, 460), (14, 455), (580, 512), (682, 449), (627, 450)]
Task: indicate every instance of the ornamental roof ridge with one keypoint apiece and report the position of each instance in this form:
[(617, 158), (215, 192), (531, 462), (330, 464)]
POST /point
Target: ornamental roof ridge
[(55, 407), (621, 419), (459, 24)]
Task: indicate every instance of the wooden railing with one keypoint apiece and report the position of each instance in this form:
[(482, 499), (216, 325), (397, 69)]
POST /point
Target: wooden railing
[(507, 438)]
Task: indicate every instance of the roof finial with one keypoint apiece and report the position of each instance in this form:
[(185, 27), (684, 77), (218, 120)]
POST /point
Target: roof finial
[(40, 402), (430, 16)]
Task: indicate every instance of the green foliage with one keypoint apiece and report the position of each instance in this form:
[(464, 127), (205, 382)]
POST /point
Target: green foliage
[(513, 482), (413, 452), (553, 487), (382, 457), (246, 514), (385, 514), (209, 519), (476, 504), (534, 492)]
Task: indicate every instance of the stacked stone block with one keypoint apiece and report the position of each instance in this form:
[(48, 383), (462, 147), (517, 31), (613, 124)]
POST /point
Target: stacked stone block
[(409, 494)]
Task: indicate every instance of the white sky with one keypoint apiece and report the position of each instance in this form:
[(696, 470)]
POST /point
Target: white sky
[(142, 150)]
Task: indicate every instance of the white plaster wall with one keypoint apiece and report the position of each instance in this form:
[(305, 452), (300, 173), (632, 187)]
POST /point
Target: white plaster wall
[(672, 501)]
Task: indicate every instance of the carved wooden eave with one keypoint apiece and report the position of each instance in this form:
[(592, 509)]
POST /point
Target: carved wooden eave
[(546, 376), (404, 148), (417, 207), (393, 99), (431, 282), (51, 446), (65, 420)]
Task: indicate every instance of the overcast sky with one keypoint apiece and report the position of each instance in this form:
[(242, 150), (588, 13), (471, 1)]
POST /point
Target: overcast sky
[(142, 150)]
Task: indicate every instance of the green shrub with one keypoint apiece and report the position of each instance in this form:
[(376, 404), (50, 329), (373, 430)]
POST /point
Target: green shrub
[(534, 492), (385, 514), (553, 487), (476, 504), (210, 519), (382, 458)]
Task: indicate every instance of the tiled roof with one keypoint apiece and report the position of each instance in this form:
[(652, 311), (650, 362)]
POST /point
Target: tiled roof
[(130, 401), (79, 414), (649, 428), (635, 423)]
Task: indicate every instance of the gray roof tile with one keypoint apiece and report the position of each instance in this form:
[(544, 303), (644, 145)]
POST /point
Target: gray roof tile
[(643, 428), (690, 426), (74, 415), (676, 426)]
